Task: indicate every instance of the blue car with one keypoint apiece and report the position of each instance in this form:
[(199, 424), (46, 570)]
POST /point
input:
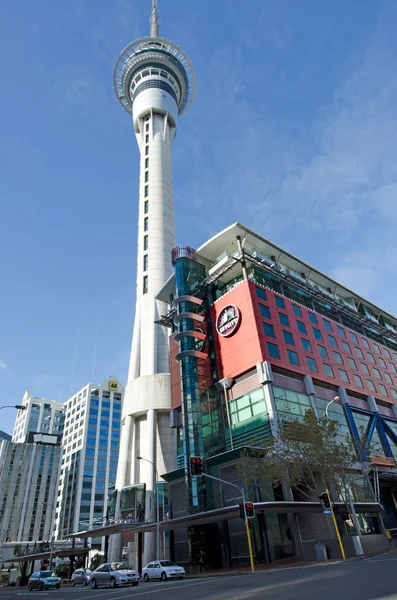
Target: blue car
[(44, 580)]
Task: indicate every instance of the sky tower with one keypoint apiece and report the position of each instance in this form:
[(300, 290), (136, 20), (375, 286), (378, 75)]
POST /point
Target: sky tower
[(155, 83)]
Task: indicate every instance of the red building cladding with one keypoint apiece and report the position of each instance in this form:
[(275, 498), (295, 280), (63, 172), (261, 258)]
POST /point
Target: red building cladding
[(295, 338)]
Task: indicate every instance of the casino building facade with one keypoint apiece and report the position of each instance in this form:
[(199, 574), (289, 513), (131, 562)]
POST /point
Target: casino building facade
[(257, 335)]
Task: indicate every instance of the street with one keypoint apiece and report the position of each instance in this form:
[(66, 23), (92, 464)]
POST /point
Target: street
[(369, 579)]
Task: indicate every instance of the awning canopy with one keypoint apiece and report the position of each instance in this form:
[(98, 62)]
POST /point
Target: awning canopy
[(47, 554), (223, 514)]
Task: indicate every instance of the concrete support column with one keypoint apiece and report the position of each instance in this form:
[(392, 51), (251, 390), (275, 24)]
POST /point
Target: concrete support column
[(148, 475)]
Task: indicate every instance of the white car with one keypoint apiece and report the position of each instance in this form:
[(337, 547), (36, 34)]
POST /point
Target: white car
[(114, 574), (162, 569)]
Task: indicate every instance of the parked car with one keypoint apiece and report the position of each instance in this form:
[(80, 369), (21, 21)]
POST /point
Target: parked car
[(114, 574), (43, 580), (81, 576), (163, 569)]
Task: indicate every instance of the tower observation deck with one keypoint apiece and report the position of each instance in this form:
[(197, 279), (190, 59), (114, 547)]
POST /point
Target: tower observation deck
[(154, 81)]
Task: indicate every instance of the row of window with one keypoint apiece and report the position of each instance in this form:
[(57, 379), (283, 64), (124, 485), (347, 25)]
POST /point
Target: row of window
[(328, 369), (261, 293), (145, 283)]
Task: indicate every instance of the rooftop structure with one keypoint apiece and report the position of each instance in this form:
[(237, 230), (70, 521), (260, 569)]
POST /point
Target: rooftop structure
[(40, 416)]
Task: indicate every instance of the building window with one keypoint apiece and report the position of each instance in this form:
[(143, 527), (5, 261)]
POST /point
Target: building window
[(146, 191), (145, 284), (306, 345), (283, 319), (328, 370), (311, 363), (382, 363), (265, 312), (261, 293), (317, 334), (393, 368), (365, 368), (279, 302), (146, 206), (352, 363), (146, 150), (376, 348), (371, 358), (146, 176), (327, 325), (371, 385), (359, 352), (388, 378), (346, 347), (323, 351), (343, 376), (338, 358), (273, 350), (312, 317), (146, 224), (297, 310), (340, 331), (365, 343), (293, 357), (146, 163), (147, 126), (269, 330), (353, 337), (145, 262), (147, 138), (288, 338), (301, 327), (376, 373), (387, 353), (383, 389), (145, 242), (357, 381), (393, 393), (332, 341)]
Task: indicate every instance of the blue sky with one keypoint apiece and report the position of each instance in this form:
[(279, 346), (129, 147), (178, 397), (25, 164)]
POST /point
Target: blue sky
[(293, 132)]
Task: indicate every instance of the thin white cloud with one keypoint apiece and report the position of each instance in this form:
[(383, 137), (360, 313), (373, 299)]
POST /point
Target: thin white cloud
[(3, 365)]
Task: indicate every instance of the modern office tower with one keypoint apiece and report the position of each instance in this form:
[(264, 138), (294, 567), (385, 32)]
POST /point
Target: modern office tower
[(90, 451), (155, 83), (259, 337), (28, 487), (40, 416)]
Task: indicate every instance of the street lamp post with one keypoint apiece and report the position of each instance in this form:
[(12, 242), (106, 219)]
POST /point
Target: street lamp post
[(157, 507), (51, 530), (17, 406)]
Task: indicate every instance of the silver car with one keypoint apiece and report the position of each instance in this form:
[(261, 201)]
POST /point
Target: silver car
[(114, 574), (162, 569), (81, 576)]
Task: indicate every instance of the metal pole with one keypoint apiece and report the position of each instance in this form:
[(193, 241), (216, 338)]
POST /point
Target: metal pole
[(247, 529), (336, 527)]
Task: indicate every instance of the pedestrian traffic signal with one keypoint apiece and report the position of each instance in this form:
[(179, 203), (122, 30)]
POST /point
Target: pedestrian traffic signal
[(325, 499), (249, 510), (195, 466)]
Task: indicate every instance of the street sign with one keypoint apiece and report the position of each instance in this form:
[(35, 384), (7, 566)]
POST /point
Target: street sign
[(327, 512)]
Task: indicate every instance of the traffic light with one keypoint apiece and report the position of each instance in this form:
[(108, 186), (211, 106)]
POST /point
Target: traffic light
[(249, 510), (325, 499), (195, 466)]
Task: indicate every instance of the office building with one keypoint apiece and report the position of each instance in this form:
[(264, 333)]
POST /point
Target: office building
[(5, 436), (90, 450), (28, 487), (40, 416), (155, 83)]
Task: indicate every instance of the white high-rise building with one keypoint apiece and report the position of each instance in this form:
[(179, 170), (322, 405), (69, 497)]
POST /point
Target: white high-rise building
[(90, 452), (155, 83), (39, 416)]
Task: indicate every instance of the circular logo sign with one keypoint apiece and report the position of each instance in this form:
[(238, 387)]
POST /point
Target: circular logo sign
[(228, 320)]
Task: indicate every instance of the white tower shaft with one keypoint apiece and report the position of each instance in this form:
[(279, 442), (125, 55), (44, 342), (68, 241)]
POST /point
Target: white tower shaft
[(155, 83)]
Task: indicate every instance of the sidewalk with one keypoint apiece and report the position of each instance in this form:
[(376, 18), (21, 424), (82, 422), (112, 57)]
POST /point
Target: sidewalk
[(285, 563)]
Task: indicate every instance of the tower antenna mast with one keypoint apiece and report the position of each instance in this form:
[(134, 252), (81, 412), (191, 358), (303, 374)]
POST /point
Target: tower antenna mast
[(154, 20)]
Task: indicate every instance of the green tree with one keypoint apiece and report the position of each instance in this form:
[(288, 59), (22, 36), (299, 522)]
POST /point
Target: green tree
[(307, 454)]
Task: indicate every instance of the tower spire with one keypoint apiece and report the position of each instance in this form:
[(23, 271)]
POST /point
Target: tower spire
[(154, 20)]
